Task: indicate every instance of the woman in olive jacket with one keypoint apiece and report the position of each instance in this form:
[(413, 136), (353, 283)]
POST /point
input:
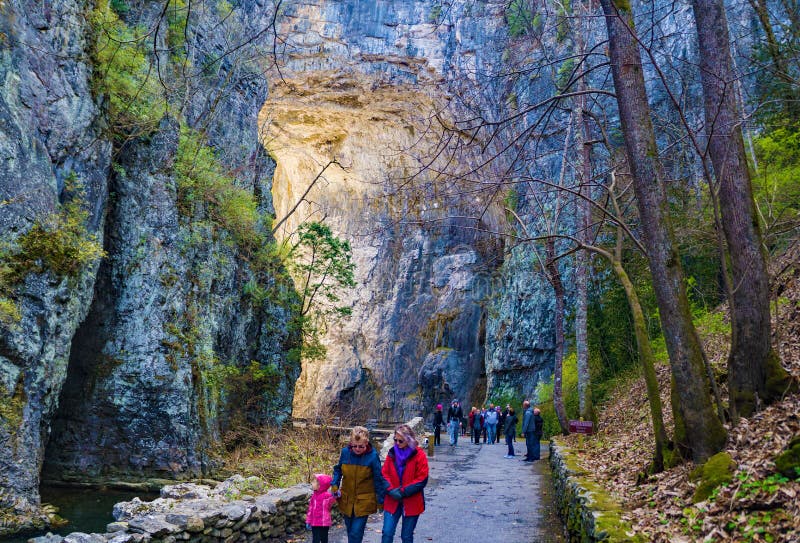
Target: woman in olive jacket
[(406, 471), (358, 478)]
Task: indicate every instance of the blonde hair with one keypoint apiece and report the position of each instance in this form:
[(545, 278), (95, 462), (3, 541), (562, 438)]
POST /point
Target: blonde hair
[(408, 434), (358, 434)]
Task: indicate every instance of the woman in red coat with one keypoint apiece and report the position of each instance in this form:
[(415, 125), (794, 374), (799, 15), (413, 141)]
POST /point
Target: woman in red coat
[(406, 471)]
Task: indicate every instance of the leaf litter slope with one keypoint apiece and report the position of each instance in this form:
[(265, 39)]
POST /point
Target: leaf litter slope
[(758, 505)]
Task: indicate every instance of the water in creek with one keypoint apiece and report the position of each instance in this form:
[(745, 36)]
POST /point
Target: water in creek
[(88, 510)]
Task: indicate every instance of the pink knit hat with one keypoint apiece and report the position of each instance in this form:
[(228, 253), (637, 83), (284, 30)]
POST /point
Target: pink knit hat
[(439, 406)]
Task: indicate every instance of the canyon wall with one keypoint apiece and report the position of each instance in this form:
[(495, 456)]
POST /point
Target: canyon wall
[(366, 85), (131, 364)]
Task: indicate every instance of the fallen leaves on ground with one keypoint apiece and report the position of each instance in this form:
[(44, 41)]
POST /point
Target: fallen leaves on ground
[(758, 505)]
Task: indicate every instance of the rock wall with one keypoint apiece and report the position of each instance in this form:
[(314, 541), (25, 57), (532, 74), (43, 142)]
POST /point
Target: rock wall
[(117, 367), (587, 510), (49, 134), (361, 84), (236, 510), (145, 396), (520, 336)]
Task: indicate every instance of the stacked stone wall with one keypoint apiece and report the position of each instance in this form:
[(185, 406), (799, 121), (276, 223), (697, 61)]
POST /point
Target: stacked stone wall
[(589, 512), (199, 514)]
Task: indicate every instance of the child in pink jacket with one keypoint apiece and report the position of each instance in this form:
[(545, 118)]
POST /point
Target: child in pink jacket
[(318, 518)]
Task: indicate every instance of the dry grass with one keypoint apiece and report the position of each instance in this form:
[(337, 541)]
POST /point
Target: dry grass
[(282, 457)]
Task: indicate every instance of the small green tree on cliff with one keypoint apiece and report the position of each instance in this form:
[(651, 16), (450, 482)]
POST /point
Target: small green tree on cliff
[(322, 266)]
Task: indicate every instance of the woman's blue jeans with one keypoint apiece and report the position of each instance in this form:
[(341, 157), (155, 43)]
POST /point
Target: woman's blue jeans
[(491, 432), (390, 521), (452, 429), (355, 528)]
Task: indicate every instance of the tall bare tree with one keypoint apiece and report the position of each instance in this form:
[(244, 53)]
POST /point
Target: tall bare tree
[(755, 371), (583, 136), (698, 429)]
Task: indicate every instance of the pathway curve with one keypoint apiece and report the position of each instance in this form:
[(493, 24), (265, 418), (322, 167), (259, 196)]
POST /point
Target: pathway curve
[(476, 495)]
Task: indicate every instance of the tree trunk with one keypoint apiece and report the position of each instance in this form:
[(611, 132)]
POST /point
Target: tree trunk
[(647, 360), (704, 434), (558, 322), (582, 222), (581, 319), (755, 373)]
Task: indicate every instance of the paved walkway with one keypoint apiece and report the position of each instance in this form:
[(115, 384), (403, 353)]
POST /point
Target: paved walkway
[(476, 495)]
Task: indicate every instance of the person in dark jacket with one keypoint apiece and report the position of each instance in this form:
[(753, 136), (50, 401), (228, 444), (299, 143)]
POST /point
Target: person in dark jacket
[(454, 416), (406, 472), (510, 430), (505, 412), (476, 424), (438, 422), (538, 430), (358, 478), (528, 428), (501, 423)]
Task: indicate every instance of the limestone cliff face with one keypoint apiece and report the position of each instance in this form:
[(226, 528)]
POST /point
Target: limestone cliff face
[(48, 133), (146, 393), (116, 370), (362, 82), (417, 328)]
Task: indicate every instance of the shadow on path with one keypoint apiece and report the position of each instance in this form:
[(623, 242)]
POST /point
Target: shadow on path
[(476, 495)]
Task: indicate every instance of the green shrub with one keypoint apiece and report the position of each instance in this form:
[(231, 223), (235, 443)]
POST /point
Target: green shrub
[(59, 242), (177, 21), (562, 20), (205, 185), (564, 74), (123, 73), (120, 6), (775, 185), (569, 386), (520, 18)]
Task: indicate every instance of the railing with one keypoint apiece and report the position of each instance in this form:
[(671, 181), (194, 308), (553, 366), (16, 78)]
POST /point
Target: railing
[(335, 423)]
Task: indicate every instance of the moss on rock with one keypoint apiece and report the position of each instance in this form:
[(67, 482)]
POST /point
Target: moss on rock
[(589, 511), (788, 462), (779, 381), (718, 470)]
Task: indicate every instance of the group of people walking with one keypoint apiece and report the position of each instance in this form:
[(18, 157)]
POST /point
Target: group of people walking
[(488, 423), (362, 486)]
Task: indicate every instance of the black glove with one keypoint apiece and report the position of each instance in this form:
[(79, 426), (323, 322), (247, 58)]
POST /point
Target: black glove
[(395, 493)]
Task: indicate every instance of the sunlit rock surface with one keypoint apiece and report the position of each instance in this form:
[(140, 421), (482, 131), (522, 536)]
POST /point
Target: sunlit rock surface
[(363, 84)]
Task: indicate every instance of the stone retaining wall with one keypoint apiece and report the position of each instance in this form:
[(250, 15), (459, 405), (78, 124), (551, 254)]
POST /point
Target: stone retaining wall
[(231, 512), (234, 511), (588, 511)]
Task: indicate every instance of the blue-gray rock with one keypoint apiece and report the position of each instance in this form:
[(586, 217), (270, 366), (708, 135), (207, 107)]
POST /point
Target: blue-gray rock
[(79, 537), (48, 538), (154, 525), (49, 132)]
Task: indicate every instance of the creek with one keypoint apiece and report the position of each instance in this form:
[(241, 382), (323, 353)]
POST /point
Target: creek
[(88, 510)]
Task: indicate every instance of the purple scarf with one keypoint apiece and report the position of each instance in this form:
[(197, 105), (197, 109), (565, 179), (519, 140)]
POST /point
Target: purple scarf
[(401, 456)]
